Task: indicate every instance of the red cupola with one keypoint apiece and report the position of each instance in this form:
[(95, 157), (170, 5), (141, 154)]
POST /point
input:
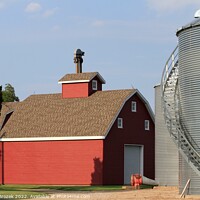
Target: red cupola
[(80, 84)]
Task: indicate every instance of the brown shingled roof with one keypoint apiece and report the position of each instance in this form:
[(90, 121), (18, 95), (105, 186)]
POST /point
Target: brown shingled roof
[(87, 76), (6, 108), (51, 116)]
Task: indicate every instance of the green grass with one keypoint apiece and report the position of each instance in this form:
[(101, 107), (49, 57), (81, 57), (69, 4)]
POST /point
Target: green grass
[(84, 188), (63, 188), (28, 191), (146, 187), (19, 192)]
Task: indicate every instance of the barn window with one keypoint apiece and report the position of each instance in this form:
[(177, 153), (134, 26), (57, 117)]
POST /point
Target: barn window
[(94, 84), (120, 123), (133, 106), (146, 125)]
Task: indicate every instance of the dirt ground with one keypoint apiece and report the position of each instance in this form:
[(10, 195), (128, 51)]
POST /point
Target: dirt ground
[(158, 193)]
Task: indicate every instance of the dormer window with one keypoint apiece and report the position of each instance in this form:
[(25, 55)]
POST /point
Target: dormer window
[(94, 84)]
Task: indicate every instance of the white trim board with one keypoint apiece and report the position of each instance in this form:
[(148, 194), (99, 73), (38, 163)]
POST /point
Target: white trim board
[(51, 138), (76, 81)]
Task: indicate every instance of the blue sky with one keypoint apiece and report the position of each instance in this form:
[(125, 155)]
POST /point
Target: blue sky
[(126, 41)]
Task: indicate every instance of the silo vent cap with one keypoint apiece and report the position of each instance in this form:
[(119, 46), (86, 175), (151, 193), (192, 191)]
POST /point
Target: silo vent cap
[(197, 14)]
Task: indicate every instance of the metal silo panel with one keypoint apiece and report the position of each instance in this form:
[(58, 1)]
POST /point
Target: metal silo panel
[(189, 80), (189, 88), (166, 152), (185, 173)]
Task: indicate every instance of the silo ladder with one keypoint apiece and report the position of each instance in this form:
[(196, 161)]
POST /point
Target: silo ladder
[(172, 109)]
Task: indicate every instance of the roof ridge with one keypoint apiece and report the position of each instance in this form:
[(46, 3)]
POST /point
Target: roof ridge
[(56, 94), (116, 90), (82, 73)]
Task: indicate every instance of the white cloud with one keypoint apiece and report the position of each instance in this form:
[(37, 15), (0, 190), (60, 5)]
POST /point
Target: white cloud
[(5, 3), (50, 12), (98, 23), (169, 5), (56, 28), (33, 7), (2, 5)]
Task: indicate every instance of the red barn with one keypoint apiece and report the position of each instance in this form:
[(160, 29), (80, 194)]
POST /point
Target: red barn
[(83, 136)]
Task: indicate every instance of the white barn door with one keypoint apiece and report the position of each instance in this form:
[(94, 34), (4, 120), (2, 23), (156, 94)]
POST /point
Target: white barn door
[(133, 161)]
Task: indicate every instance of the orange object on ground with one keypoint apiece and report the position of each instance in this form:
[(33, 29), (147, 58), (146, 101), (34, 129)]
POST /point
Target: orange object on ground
[(136, 180)]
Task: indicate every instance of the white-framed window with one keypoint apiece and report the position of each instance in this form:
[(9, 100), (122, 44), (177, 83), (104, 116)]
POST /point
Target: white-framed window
[(94, 84), (120, 123), (146, 125), (133, 106)]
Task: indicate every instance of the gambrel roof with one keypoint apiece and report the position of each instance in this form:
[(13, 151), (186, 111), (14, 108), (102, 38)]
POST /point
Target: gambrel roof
[(50, 115)]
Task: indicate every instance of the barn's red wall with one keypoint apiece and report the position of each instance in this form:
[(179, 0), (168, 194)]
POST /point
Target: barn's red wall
[(1, 162), (132, 133), (73, 90), (53, 162)]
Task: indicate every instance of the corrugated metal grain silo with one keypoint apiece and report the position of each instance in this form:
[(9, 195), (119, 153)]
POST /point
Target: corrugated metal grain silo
[(186, 173), (166, 152), (189, 78), (189, 96), (180, 91)]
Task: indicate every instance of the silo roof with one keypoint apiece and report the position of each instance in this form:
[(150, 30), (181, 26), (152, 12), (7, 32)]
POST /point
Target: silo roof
[(194, 23)]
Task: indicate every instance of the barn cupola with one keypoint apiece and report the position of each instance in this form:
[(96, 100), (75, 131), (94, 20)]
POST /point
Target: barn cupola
[(80, 84)]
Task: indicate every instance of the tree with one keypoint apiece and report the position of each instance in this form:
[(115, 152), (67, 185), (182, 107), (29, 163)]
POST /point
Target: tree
[(8, 95)]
